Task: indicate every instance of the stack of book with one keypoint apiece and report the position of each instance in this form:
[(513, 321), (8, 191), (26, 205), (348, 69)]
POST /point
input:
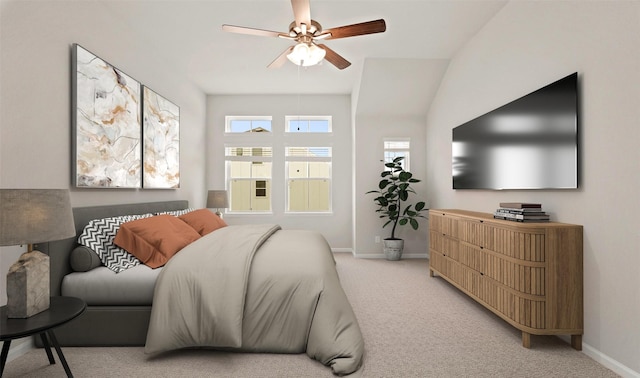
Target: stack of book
[(521, 212)]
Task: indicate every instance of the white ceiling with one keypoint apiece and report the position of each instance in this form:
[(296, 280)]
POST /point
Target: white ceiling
[(189, 34)]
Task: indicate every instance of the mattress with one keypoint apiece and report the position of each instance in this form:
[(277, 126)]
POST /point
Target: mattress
[(103, 287)]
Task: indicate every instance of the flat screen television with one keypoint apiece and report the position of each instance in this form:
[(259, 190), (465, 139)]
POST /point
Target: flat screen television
[(529, 143)]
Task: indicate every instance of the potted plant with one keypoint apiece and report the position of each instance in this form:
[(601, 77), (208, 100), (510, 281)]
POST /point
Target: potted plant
[(393, 191)]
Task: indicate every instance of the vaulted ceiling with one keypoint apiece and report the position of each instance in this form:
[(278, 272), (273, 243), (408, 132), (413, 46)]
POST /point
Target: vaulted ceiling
[(421, 37)]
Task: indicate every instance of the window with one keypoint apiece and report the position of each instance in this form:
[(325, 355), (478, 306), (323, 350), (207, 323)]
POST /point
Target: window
[(248, 124), (395, 147), (308, 124), (249, 178), (261, 188), (303, 172), (308, 179)]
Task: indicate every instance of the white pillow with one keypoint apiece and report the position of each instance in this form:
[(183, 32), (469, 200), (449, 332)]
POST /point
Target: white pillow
[(98, 235)]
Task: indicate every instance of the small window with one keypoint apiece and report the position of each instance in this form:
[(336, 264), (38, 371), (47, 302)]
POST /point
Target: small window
[(261, 188), (397, 147), (308, 124), (248, 124)]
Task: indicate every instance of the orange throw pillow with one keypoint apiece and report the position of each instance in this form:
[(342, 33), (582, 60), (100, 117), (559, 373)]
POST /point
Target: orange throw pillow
[(155, 240), (203, 221)]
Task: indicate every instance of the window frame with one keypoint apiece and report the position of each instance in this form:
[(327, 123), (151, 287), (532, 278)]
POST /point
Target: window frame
[(229, 159), (406, 163), (229, 119), (308, 159), (289, 118)]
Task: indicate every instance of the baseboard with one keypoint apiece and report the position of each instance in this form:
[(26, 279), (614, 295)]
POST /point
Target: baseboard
[(341, 250), (608, 362), (381, 256), (20, 347)]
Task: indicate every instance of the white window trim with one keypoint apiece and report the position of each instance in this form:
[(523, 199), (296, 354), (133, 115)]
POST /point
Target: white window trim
[(264, 159), (407, 159), (228, 119), (288, 179), (288, 119)]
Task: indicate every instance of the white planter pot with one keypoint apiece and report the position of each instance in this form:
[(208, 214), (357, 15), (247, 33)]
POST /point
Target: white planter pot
[(393, 248)]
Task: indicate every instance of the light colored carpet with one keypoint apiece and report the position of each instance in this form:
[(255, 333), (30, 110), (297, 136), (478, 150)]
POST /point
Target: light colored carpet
[(413, 326)]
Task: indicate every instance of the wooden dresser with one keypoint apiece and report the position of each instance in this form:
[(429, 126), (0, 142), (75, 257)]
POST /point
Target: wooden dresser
[(529, 274)]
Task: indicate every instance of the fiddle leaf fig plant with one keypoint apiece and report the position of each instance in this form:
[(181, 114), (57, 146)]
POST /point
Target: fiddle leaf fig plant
[(394, 189)]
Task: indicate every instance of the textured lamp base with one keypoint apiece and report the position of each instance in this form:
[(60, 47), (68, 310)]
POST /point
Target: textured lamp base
[(28, 285)]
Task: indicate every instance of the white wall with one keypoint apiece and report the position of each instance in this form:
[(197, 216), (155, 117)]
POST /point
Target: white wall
[(370, 132), (35, 130), (526, 46), (335, 227), (391, 100)]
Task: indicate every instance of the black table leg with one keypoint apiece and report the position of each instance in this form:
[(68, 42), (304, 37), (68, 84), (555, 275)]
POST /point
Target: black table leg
[(5, 353), (47, 348), (54, 341)]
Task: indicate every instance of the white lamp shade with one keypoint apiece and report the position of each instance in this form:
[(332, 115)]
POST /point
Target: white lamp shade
[(305, 55), (30, 216)]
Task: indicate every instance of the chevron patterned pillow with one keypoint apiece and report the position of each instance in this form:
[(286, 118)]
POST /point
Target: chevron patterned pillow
[(176, 213), (99, 234)]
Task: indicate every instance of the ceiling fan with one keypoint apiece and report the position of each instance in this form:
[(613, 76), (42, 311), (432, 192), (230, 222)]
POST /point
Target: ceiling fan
[(306, 32)]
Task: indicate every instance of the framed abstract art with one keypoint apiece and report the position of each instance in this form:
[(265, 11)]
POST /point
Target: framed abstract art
[(161, 141), (106, 124)]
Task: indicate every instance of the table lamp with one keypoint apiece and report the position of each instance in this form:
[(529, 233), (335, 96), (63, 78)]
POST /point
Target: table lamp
[(30, 216), (217, 199)]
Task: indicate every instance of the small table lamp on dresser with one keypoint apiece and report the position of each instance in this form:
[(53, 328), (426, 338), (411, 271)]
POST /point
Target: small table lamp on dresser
[(30, 216), (217, 199)]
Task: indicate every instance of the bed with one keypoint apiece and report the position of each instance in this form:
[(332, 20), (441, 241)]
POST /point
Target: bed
[(254, 288)]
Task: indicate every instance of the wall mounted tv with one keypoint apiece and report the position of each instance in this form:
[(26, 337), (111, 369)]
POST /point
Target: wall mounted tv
[(529, 143)]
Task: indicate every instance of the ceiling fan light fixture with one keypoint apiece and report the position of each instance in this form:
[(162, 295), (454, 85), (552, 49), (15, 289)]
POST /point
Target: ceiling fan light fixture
[(305, 55)]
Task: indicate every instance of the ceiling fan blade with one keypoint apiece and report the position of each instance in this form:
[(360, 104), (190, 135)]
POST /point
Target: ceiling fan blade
[(334, 58), (369, 27), (281, 59), (251, 31), (301, 12)]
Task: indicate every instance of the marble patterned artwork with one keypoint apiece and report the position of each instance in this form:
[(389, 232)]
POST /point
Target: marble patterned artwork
[(107, 124), (161, 142)]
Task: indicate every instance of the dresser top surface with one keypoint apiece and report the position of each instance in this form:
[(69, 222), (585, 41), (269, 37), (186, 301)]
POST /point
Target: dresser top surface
[(489, 217)]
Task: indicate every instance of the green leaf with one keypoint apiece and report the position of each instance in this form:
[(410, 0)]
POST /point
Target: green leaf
[(383, 183), (403, 221), (405, 176), (398, 159), (414, 224), (420, 205), (403, 194)]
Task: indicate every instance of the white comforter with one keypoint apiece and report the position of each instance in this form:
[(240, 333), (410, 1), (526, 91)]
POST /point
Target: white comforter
[(256, 288)]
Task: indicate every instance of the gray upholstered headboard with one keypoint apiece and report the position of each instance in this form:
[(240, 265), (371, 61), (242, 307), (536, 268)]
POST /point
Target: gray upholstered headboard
[(60, 250)]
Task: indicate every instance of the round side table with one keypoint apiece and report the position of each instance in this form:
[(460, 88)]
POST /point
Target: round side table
[(61, 310)]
